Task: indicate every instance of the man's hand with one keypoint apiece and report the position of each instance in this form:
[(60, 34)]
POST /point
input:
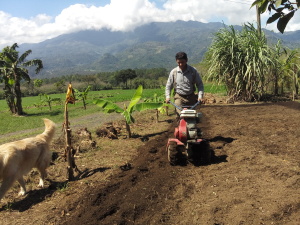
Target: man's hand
[(168, 100), (201, 100)]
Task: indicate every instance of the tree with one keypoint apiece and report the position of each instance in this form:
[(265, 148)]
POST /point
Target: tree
[(125, 75), (284, 11), (60, 85), (38, 83), (277, 69), (89, 79), (287, 67), (8, 83), (13, 71), (127, 112)]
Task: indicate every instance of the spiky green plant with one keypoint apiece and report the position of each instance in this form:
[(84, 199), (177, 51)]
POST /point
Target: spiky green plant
[(240, 60)]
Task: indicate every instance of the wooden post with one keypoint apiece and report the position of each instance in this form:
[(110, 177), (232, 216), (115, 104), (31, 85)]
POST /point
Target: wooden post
[(68, 149)]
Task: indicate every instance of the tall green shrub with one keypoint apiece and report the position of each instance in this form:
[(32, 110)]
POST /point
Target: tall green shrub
[(240, 60)]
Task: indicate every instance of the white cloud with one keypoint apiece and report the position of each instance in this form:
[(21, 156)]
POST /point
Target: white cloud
[(125, 15), (13, 29)]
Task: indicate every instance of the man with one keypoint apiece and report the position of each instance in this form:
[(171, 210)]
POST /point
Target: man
[(183, 79)]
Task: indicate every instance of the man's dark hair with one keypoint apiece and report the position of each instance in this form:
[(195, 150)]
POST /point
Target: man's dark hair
[(181, 55)]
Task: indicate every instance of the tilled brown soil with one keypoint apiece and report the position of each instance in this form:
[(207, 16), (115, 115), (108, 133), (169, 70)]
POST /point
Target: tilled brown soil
[(254, 178)]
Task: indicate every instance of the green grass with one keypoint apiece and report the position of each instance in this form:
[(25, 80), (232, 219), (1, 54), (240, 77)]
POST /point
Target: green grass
[(123, 95), (214, 89), (34, 115)]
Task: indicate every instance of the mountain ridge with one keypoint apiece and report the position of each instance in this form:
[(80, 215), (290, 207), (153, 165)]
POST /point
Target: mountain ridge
[(152, 45)]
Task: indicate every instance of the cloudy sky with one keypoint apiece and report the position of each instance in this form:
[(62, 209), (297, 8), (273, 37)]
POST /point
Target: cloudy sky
[(32, 21)]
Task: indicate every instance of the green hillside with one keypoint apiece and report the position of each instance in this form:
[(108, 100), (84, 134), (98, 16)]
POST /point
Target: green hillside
[(149, 46)]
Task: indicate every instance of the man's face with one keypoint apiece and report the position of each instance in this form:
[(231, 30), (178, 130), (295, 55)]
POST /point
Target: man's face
[(181, 63)]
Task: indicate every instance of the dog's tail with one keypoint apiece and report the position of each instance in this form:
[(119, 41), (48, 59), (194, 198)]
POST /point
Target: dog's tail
[(49, 129)]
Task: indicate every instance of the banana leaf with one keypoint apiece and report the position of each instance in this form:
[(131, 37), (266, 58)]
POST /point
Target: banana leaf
[(135, 99), (128, 117), (147, 105), (108, 106)]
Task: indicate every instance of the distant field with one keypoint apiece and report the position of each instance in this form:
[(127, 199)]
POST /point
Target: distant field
[(9, 123)]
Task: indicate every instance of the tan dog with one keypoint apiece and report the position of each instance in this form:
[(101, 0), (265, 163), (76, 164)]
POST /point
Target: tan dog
[(19, 157)]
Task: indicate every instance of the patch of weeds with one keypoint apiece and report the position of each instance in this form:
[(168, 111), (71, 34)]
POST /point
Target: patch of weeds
[(9, 206), (62, 186)]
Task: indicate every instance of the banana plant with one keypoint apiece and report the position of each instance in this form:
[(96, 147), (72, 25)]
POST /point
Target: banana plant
[(49, 100), (127, 111), (82, 95), (159, 99)]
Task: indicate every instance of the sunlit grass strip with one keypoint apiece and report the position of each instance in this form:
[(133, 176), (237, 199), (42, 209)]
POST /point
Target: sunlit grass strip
[(33, 119), (214, 88)]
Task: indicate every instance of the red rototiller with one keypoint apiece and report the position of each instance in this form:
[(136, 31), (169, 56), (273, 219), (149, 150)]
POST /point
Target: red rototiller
[(188, 144)]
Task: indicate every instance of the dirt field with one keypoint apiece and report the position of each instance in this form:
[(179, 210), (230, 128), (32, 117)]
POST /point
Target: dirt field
[(254, 177)]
